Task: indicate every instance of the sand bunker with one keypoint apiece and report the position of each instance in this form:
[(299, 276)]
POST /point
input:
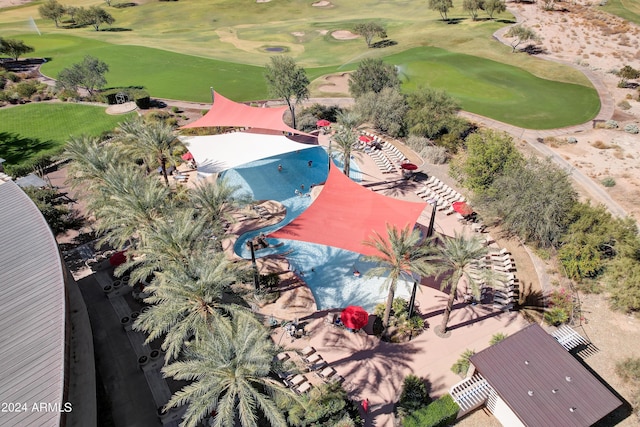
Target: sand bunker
[(263, 1), (322, 3), (336, 83), (344, 35)]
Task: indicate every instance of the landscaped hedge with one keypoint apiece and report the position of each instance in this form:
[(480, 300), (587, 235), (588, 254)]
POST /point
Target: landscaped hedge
[(25, 168), (439, 413), (140, 96)]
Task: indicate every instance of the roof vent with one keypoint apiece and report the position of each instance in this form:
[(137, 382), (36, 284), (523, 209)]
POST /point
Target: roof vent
[(554, 391), (568, 378), (526, 362), (573, 409), (530, 392)]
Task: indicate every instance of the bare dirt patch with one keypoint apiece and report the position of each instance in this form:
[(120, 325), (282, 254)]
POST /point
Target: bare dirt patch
[(336, 83), (322, 3), (344, 35), (11, 3)]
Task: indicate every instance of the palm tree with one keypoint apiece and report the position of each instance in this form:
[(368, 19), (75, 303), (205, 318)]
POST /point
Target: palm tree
[(456, 257), (128, 203), (230, 372), (345, 137), (154, 142), (402, 254), (172, 239), (187, 301), (90, 159), (216, 202)]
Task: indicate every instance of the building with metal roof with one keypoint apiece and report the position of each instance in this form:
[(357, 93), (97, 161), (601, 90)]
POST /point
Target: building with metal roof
[(534, 381), (34, 319)]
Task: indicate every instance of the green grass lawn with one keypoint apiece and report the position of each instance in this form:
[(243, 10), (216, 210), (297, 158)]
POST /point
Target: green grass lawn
[(626, 9), (223, 46), (31, 129), (496, 90)]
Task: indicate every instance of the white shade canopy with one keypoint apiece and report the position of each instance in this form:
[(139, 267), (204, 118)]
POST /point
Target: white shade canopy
[(217, 153)]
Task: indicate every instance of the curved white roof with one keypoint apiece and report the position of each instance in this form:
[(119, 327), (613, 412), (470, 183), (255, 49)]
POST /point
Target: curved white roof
[(32, 312), (217, 153)]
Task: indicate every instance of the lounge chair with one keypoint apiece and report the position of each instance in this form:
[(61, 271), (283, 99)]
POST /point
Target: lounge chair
[(327, 373), (307, 351), (282, 356), (296, 381), (302, 388), (314, 358)]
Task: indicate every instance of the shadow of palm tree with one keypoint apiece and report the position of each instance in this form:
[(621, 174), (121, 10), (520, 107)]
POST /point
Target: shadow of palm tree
[(16, 148)]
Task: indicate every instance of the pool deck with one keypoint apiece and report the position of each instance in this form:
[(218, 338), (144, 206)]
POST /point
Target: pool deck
[(374, 369)]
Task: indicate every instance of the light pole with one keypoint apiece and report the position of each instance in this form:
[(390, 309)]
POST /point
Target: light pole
[(432, 220), (256, 278)]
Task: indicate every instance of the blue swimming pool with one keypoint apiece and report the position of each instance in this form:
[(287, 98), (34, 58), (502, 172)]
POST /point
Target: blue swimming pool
[(328, 271)]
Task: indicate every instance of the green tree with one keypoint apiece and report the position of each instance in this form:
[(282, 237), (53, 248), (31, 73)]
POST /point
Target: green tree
[(288, 81), (94, 16), (373, 75), (627, 73), (414, 395), (533, 201), (489, 154), (14, 48), (88, 74), (343, 140), (154, 142), (473, 7), (401, 255), (494, 6), (521, 34), (52, 10), (72, 11), (456, 257), (432, 113), (369, 30), (623, 284), (442, 6), (497, 337), (230, 369), (385, 111)]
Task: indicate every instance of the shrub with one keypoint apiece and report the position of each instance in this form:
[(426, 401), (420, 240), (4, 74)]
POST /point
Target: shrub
[(611, 124), (560, 307), (461, 367), (631, 128), (624, 104), (441, 412), (496, 338), (323, 112), (37, 162), (13, 77), (435, 154), (608, 182), (270, 280), (26, 89), (414, 395), (628, 369)]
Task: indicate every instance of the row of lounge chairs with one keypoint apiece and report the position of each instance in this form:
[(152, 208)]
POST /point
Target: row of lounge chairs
[(505, 294), (387, 156), (262, 212), (316, 363)]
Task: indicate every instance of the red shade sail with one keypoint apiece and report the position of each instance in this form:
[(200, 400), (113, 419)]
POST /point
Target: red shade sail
[(225, 112), (323, 123), (462, 208), (409, 166), (354, 317), (117, 259), (345, 214), (365, 138), (187, 156)]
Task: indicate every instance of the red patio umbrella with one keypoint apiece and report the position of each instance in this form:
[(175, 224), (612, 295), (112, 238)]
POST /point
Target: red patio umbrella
[(117, 259), (365, 138), (354, 317), (409, 166), (187, 156), (462, 208), (323, 123)]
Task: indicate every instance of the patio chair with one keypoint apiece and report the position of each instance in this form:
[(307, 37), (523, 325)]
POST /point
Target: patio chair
[(318, 365), (307, 351), (282, 356), (338, 378)]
